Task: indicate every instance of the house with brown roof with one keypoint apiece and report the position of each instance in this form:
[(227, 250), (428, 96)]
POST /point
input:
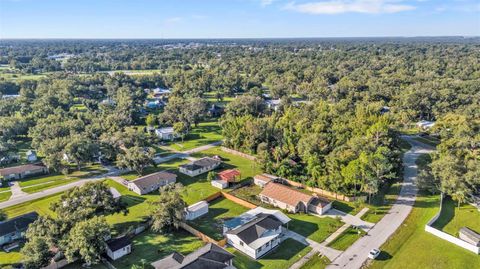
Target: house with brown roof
[(152, 182), (226, 177), (293, 200), (22, 171), (263, 179)]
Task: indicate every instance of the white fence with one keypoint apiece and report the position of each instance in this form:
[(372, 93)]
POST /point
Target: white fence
[(450, 238)]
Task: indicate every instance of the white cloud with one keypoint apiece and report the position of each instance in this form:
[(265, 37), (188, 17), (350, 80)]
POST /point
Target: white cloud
[(350, 6), (265, 3), (173, 20)]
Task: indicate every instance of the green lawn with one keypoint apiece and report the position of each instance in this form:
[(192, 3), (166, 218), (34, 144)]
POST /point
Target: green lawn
[(453, 218), (41, 206), (151, 247), (346, 239), (247, 167), (7, 259), (348, 207), (381, 203), (282, 257), (219, 211), (316, 262), (5, 195), (313, 227), (205, 133), (411, 247), (249, 193)]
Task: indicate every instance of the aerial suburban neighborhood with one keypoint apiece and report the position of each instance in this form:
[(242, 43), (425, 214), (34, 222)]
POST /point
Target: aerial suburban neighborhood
[(214, 152)]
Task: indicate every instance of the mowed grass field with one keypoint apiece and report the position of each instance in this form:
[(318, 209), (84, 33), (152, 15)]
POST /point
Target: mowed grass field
[(313, 227), (316, 262), (411, 247), (205, 133), (286, 254), (453, 218)]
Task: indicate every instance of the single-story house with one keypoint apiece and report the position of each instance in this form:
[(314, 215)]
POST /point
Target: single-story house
[(215, 111), (263, 179), (252, 214), (209, 256), (257, 236), (292, 200), (469, 236), (161, 93), (166, 133), (31, 156), (196, 210), (118, 247), (151, 182), (425, 124), (15, 228), (200, 166), (22, 171), (154, 104)]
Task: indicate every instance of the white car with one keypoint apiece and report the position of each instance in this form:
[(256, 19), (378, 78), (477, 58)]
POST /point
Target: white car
[(373, 254)]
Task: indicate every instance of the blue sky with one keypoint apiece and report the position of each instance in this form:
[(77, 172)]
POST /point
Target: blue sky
[(236, 18)]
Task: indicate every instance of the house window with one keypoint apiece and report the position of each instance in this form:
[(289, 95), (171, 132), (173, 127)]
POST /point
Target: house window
[(267, 245), (241, 243)]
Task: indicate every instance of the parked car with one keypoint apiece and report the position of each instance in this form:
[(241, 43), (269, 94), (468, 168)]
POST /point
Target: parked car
[(373, 254)]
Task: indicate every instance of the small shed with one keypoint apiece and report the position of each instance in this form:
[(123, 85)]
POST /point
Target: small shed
[(221, 184), (116, 194), (261, 180), (470, 236), (196, 210), (118, 247), (230, 175)]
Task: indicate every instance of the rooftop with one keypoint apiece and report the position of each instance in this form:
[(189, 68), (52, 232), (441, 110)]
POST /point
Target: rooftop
[(20, 169), (209, 256), (17, 224), (285, 194), (255, 229), (118, 243), (229, 175), (152, 179), (200, 163)]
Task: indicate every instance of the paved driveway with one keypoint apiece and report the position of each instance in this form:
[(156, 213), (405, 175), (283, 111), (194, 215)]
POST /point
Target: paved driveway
[(357, 254)]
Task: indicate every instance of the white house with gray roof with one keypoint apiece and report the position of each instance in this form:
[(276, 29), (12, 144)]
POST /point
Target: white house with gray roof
[(151, 182), (256, 232), (199, 166)]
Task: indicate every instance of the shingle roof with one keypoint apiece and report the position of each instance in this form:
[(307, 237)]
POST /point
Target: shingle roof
[(265, 177), (17, 224), (285, 194), (152, 179), (20, 169), (209, 256), (200, 163), (118, 243), (229, 175), (254, 229)]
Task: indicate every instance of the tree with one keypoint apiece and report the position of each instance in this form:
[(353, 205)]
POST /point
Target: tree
[(36, 253), (87, 201), (136, 158), (81, 150), (3, 215), (169, 209), (86, 240), (180, 129), (212, 175), (151, 120)]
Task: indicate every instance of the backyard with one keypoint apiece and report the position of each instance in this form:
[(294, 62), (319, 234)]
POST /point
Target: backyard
[(453, 218), (205, 133), (219, 211)]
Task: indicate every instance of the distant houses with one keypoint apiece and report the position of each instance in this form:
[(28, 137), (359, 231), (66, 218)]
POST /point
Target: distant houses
[(196, 210), (22, 171), (256, 232), (14, 229), (425, 124), (118, 247), (161, 93), (209, 256), (292, 200), (166, 133), (200, 166), (31, 156), (151, 182)]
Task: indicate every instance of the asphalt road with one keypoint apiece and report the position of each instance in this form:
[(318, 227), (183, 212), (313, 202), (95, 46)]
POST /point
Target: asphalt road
[(357, 254)]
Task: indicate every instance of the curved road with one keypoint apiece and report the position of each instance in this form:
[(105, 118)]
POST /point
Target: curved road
[(357, 254)]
